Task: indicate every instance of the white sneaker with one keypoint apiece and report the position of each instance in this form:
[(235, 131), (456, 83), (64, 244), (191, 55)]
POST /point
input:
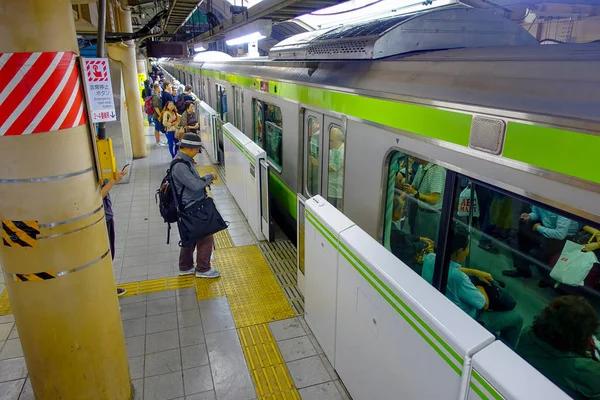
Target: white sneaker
[(188, 272), (212, 256), (213, 273)]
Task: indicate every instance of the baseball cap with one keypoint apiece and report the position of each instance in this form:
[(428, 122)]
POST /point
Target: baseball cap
[(191, 141)]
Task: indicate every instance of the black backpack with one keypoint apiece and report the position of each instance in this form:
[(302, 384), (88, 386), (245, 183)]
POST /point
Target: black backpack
[(168, 201)]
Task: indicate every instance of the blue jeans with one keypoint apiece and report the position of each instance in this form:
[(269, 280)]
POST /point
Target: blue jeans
[(172, 143)]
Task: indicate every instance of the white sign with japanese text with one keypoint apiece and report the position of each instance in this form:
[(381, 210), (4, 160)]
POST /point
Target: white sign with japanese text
[(98, 89)]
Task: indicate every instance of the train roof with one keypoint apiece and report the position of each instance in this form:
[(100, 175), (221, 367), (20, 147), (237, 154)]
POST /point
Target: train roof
[(554, 81), (433, 29)]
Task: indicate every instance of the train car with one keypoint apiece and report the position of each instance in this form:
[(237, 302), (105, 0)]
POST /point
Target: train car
[(422, 128)]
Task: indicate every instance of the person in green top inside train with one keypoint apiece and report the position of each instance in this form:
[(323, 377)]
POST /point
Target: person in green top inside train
[(559, 344)]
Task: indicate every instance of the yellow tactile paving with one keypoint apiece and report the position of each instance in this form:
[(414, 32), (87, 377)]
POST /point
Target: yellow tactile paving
[(5, 307), (253, 293), (209, 288), (157, 285), (262, 356), (287, 395), (269, 373), (255, 335), (223, 240), (207, 169), (272, 380)]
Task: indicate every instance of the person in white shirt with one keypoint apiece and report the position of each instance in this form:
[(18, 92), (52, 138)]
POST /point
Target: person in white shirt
[(335, 180), (542, 234)]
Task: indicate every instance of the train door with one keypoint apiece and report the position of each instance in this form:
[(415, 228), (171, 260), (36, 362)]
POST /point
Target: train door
[(332, 160), (311, 182), (238, 107), (198, 87)]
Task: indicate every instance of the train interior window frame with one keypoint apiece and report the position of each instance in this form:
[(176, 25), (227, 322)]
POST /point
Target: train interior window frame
[(262, 141), (449, 220), (309, 114)]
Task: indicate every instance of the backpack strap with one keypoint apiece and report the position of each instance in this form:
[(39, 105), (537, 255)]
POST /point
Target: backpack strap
[(178, 199)]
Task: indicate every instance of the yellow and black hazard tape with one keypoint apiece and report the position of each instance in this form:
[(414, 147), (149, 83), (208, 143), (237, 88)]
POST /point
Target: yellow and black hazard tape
[(38, 276), (20, 233)]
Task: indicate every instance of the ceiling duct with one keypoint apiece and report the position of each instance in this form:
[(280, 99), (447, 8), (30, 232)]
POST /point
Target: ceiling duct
[(438, 29)]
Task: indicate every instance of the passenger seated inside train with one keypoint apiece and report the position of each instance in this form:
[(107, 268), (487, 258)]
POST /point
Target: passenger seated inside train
[(407, 247), (542, 234), (560, 345), (473, 299)]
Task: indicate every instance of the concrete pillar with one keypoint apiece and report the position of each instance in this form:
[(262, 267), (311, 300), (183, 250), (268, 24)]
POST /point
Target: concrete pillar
[(142, 71), (125, 53), (54, 248)]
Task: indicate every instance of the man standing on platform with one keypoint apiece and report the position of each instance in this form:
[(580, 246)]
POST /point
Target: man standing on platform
[(191, 187)]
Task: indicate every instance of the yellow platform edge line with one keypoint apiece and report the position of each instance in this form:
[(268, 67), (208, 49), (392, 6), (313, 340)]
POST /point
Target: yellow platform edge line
[(5, 307)]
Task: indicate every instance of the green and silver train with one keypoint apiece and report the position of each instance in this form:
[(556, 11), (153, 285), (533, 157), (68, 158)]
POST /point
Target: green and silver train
[(506, 126)]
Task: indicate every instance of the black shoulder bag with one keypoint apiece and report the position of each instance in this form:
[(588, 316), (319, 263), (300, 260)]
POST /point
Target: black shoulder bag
[(198, 220)]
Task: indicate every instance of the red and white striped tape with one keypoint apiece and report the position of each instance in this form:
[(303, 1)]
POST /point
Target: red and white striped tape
[(40, 93)]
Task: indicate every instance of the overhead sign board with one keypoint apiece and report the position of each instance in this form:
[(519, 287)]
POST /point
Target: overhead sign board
[(98, 90)]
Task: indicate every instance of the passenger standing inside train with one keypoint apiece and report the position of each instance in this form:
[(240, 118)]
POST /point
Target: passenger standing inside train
[(335, 184), (405, 246), (542, 234), (192, 187), (560, 346), (428, 189), (472, 299), (157, 106)]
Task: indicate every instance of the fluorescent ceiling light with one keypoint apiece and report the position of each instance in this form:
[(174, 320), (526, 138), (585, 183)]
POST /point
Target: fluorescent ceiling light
[(252, 37), (199, 47)]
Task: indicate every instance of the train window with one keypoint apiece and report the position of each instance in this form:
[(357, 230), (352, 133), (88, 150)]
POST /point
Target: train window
[(414, 202), (273, 143), (268, 131), (530, 275), (258, 117), (222, 102), (335, 174), (239, 108), (314, 156)]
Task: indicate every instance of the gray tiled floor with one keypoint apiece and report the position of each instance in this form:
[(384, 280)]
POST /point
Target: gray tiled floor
[(178, 347), (310, 369), (142, 252)]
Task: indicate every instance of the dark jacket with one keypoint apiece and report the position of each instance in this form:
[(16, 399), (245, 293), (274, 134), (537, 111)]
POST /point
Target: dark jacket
[(577, 375)]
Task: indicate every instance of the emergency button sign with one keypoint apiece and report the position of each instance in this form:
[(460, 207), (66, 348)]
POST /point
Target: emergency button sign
[(98, 90)]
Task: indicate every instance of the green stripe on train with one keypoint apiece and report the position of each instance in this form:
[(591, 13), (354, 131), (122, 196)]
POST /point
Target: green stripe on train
[(283, 194), (566, 152)]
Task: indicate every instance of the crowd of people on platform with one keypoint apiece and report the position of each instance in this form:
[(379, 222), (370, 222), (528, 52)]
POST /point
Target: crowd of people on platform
[(170, 107)]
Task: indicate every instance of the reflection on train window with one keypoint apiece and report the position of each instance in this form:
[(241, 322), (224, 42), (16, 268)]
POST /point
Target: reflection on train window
[(414, 201), (239, 108), (335, 174), (513, 266), (258, 117), (268, 132), (222, 102), (313, 159), (273, 143)]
